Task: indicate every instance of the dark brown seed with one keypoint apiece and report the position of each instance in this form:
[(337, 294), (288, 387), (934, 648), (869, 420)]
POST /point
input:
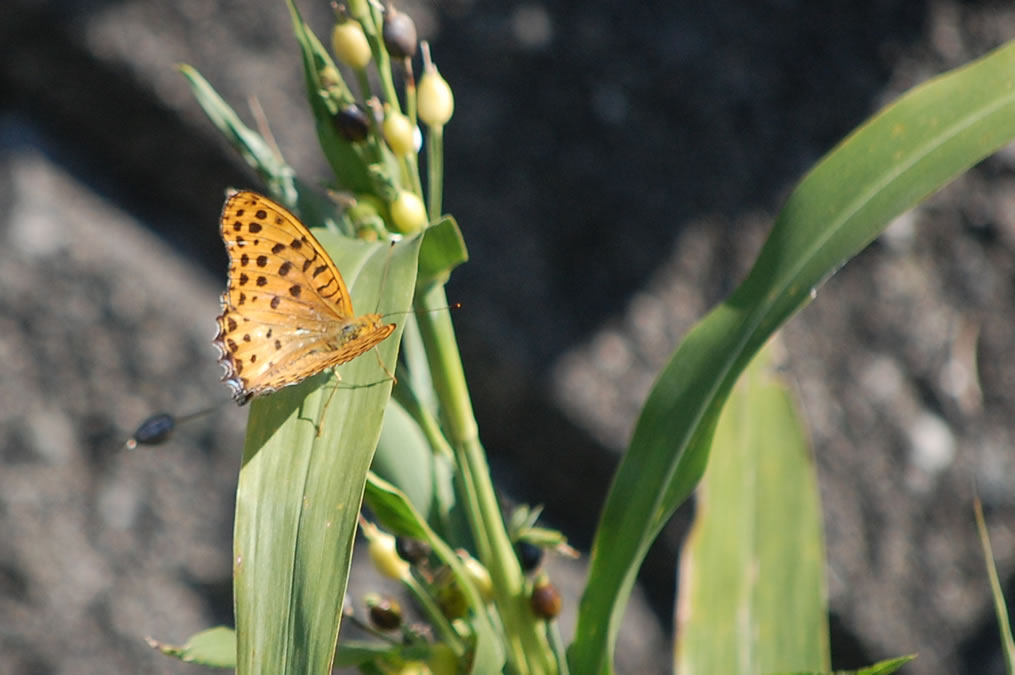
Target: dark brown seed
[(386, 614), (352, 123), (412, 551), (399, 34), (546, 601)]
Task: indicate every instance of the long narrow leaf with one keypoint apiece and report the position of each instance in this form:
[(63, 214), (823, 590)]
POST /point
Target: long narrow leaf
[(299, 492), (900, 156), (1000, 606), (752, 568), (345, 159), (251, 146)]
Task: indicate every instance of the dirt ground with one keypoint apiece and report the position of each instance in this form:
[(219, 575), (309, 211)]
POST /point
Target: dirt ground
[(614, 167)]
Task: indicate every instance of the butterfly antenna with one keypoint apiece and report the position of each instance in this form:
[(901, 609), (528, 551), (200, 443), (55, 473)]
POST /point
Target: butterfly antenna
[(453, 305)]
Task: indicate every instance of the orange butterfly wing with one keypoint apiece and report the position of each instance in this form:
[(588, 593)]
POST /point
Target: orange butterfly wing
[(286, 313)]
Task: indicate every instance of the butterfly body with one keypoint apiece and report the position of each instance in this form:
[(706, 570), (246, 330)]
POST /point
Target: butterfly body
[(286, 313)]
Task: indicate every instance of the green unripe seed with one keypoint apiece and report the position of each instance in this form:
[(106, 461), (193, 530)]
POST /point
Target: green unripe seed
[(398, 132), (381, 547), (408, 213), (434, 100), (480, 578), (350, 44)]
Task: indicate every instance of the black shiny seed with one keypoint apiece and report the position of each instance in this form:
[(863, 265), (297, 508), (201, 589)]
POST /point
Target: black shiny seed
[(412, 551), (352, 123), (529, 555), (386, 615), (154, 430)]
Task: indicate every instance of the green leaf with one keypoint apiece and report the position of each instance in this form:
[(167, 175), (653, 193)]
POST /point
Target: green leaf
[(1000, 607), (443, 250), (272, 168), (394, 511), (215, 647), (903, 154), (252, 147), (417, 458), (404, 458), (752, 568), (886, 667), (345, 158), (299, 492), (357, 653)]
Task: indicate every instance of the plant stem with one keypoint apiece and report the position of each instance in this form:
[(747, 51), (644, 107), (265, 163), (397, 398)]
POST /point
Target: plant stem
[(433, 612), (364, 83), (373, 30), (529, 650), (435, 171), (410, 111)]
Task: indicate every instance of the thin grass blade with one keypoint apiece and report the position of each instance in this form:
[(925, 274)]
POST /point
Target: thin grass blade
[(906, 152)]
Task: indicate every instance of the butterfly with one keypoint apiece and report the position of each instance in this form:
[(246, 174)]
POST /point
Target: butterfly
[(286, 313)]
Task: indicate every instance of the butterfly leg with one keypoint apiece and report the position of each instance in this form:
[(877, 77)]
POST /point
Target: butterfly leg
[(334, 388), (377, 353)]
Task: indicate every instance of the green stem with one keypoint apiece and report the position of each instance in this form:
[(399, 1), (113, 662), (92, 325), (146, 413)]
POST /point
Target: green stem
[(411, 173), (380, 53), (410, 111), (434, 614), (529, 650), (364, 83), (435, 171), (438, 334), (559, 648)]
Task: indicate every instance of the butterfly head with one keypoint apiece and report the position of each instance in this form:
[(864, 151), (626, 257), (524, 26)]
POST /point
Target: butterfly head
[(363, 330)]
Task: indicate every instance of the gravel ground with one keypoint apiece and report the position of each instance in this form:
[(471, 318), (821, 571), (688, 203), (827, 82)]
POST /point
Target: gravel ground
[(615, 169)]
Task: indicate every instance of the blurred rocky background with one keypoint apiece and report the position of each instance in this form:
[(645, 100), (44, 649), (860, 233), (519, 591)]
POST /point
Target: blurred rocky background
[(615, 167)]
